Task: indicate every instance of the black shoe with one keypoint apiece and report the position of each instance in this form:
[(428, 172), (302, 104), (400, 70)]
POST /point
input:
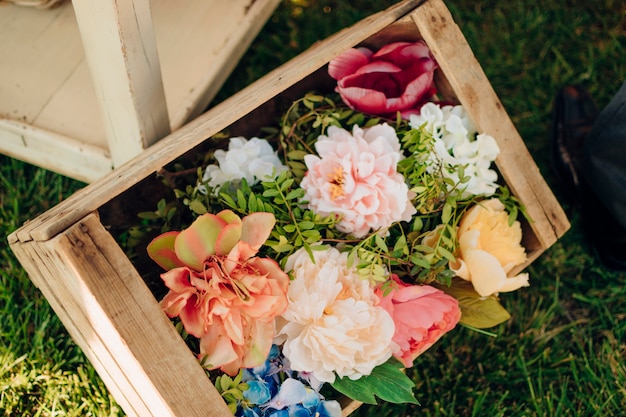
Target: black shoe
[(605, 234), (574, 113)]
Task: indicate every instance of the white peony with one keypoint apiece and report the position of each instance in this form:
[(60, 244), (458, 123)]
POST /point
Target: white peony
[(254, 159), (332, 325), (457, 144)]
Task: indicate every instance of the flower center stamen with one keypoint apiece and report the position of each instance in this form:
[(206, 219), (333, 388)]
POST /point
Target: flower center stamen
[(336, 181)]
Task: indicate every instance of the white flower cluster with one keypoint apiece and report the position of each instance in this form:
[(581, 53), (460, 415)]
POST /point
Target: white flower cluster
[(457, 144), (254, 159)]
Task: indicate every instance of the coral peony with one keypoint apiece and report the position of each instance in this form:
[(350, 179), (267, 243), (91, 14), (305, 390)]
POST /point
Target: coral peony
[(421, 313), (355, 177), (397, 78), (489, 249), (332, 325), (222, 292)]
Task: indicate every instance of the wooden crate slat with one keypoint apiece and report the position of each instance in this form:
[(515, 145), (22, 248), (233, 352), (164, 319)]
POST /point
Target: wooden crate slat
[(98, 294), (44, 271), (120, 47), (65, 155)]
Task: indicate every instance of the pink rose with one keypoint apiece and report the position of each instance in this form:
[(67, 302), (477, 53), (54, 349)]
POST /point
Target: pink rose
[(397, 78), (223, 294), (354, 176), (422, 314)]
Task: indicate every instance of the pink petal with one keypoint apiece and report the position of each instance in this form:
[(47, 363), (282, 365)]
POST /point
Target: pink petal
[(228, 238), (229, 217), (348, 62), (374, 67), (364, 99), (178, 279), (192, 317), (391, 48), (413, 94), (256, 228), (161, 251), (403, 53), (218, 349), (261, 343), (196, 243)]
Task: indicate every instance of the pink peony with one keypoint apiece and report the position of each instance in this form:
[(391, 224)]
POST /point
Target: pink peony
[(397, 78), (224, 295), (422, 314), (355, 178)]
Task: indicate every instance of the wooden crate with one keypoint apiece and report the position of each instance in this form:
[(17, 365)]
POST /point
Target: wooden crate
[(100, 296), (85, 86)]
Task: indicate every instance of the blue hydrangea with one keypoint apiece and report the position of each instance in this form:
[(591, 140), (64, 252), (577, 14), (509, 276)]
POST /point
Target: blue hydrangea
[(275, 390)]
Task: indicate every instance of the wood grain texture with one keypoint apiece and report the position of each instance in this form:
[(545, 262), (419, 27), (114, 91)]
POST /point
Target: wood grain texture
[(120, 48), (53, 151)]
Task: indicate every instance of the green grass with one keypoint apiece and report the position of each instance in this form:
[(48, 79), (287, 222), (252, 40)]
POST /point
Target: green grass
[(562, 353)]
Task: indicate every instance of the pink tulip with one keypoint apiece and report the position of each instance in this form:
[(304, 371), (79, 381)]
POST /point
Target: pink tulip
[(397, 78), (422, 314), (222, 292)]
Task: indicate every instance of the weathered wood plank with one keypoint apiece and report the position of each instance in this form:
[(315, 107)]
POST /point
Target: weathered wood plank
[(120, 47), (115, 319)]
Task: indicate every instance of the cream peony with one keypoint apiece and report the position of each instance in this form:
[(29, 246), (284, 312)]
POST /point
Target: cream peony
[(490, 249), (254, 159), (456, 143), (332, 324), (355, 177)]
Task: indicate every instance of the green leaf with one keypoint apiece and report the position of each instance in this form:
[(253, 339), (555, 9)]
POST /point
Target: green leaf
[(293, 194), (357, 390), (252, 206), (380, 242), (285, 185), (197, 207), (386, 382), (241, 200), (228, 200), (400, 246), (272, 192), (306, 225), (476, 311), (446, 213)]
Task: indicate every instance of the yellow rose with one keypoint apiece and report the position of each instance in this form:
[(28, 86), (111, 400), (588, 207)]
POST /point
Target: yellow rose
[(489, 249)]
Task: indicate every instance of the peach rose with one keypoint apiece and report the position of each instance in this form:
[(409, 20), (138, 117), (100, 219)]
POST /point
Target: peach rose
[(355, 177), (397, 78), (489, 249), (422, 314), (223, 294)]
